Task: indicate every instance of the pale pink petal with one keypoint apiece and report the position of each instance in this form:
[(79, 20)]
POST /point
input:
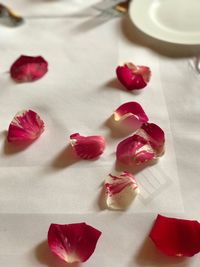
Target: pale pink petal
[(27, 68), (144, 71), (133, 77), (25, 126), (73, 242), (145, 145), (131, 114), (121, 189), (87, 147)]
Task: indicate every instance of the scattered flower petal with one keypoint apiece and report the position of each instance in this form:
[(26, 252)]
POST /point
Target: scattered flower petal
[(28, 69), (132, 114), (134, 149), (121, 189), (73, 242), (133, 77), (155, 136), (145, 145), (25, 126), (87, 147), (176, 237)]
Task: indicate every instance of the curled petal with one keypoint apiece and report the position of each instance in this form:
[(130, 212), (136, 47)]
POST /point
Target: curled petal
[(134, 149), (132, 114), (121, 189), (73, 242), (27, 69), (147, 144), (176, 237), (133, 77), (87, 147), (25, 126), (156, 137)]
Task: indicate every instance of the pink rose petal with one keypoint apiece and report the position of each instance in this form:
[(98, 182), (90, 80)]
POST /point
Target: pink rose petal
[(147, 144), (121, 189), (176, 237), (25, 126), (134, 150), (28, 69), (156, 137), (133, 77), (132, 114), (87, 147), (73, 242)]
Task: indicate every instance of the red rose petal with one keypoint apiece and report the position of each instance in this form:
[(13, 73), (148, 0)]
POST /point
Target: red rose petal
[(87, 147), (133, 77), (28, 69), (147, 144), (132, 114), (73, 242), (25, 126), (176, 237)]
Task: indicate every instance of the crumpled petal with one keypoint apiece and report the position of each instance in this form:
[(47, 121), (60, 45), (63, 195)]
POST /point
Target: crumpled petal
[(87, 147), (145, 145), (28, 69), (73, 242), (176, 237), (25, 126), (133, 77), (132, 114), (121, 189)]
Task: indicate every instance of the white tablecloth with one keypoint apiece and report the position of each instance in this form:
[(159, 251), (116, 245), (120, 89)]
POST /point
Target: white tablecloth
[(42, 184)]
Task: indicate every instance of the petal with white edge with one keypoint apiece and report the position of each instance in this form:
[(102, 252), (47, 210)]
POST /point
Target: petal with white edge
[(73, 242), (25, 126), (121, 189), (131, 114)]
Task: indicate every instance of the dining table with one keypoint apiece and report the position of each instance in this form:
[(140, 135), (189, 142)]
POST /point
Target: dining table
[(43, 183)]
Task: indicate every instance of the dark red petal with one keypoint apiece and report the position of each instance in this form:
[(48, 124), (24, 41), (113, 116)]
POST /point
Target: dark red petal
[(176, 237), (73, 242), (27, 69)]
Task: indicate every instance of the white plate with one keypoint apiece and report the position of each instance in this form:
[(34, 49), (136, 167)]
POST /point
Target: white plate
[(176, 21)]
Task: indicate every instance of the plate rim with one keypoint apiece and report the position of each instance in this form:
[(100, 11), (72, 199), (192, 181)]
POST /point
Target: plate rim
[(161, 38)]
